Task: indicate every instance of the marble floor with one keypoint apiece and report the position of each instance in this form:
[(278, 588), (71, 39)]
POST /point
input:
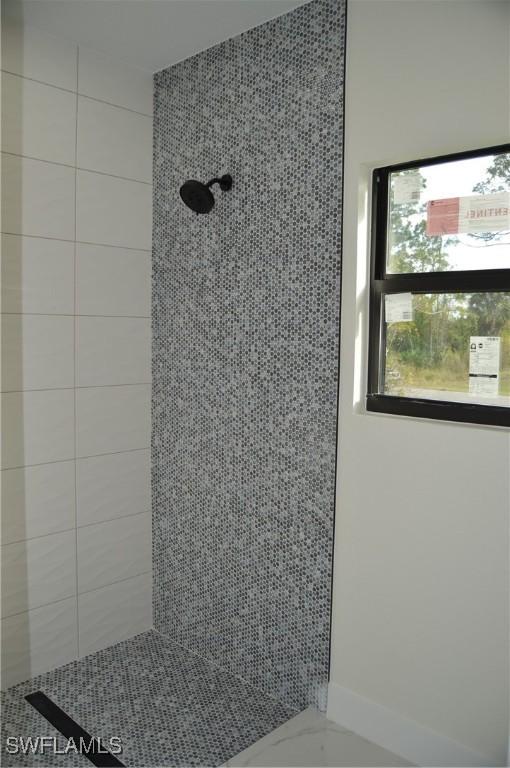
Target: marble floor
[(310, 739)]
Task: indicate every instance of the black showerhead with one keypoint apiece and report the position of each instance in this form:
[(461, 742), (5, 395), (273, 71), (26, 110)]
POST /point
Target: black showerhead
[(199, 197)]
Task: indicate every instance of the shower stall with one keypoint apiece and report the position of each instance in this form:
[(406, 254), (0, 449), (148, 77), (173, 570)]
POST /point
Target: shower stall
[(170, 397)]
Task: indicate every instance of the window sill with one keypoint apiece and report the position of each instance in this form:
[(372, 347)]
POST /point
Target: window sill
[(438, 409)]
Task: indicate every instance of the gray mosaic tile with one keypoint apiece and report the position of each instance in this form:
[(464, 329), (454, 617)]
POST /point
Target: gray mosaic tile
[(246, 304), (21, 720), (169, 706)]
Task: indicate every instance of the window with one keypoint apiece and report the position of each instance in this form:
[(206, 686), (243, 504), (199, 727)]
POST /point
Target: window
[(439, 342)]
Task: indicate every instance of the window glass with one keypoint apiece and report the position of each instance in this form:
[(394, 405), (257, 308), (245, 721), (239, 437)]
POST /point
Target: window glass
[(450, 216), (448, 346)]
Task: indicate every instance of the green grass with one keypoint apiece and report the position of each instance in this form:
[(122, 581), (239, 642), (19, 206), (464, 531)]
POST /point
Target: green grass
[(439, 378)]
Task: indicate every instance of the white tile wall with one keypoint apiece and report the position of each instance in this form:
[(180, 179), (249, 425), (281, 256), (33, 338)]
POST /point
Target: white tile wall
[(114, 613), (76, 346), (111, 419), (113, 140), (38, 572), (38, 352), (37, 275), (113, 350), (37, 198), (112, 486), (39, 56), (108, 80), (38, 427), (37, 501), (113, 211), (112, 281), (38, 120), (38, 640), (113, 551)]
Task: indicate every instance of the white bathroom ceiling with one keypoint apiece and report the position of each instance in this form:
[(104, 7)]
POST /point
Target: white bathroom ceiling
[(152, 34)]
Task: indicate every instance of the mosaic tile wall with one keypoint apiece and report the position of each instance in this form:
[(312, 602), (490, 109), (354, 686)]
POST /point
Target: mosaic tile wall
[(246, 304)]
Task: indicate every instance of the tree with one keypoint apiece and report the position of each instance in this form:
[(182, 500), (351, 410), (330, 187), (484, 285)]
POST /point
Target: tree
[(412, 250), (498, 176), (492, 310), (496, 180)]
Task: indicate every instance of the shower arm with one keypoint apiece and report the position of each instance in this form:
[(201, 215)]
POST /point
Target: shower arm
[(225, 182)]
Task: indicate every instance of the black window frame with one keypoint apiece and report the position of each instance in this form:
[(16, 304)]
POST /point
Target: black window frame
[(382, 283)]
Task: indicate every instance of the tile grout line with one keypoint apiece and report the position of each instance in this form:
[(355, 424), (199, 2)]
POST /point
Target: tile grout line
[(80, 527), (77, 92), (116, 106), (79, 314), (77, 458), (145, 251), (75, 167), (117, 581), (38, 607), (75, 323), (81, 386), (70, 597)]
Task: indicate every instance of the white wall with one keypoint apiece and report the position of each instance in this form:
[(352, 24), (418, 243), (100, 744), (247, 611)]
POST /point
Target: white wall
[(76, 264), (420, 621)]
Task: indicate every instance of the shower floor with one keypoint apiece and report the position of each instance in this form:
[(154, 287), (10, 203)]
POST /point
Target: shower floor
[(168, 706)]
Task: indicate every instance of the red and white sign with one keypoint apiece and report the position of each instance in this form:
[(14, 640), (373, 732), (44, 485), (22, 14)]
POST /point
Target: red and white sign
[(474, 213), (443, 216)]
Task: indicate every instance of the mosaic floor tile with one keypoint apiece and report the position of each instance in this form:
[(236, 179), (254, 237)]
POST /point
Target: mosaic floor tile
[(20, 719), (169, 706)]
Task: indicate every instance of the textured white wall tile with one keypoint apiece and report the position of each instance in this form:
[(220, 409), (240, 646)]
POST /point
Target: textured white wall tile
[(38, 641), (37, 275), (110, 614), (112, 551), (37, 501), (112, 419), (37, 198), (104, 78), (112, 281), (38, 572), (37, 352), (38, 55), (37, 427), (113, 211), (111, 486), (40, 351), (38, 120), (114, 140), (113, 350)]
